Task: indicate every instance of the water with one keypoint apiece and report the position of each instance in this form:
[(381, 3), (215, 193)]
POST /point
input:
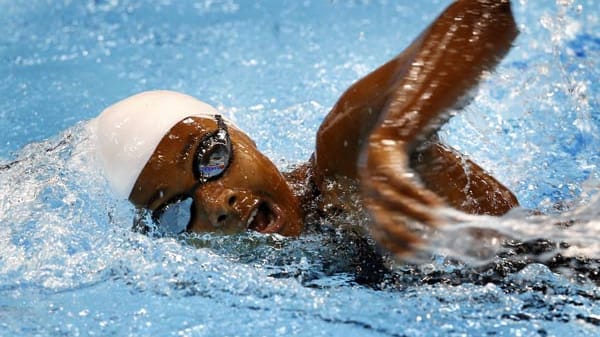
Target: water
[(69, 264)]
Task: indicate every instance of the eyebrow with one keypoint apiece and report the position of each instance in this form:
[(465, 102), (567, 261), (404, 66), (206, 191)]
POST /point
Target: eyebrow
[(187, 149)]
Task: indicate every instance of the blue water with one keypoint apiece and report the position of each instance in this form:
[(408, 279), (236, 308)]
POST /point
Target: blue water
[(70, 266)]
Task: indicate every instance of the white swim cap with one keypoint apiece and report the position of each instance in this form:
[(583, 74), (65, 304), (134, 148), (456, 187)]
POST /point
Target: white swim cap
[(129, 131)]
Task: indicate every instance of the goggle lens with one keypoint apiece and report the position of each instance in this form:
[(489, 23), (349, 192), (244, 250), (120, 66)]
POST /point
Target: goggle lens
[(214, 162)]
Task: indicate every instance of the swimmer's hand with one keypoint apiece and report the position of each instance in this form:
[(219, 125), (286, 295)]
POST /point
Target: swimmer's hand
[(394, 196), (441, 68)]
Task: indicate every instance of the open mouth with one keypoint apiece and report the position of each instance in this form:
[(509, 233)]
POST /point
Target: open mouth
[(264, 219)]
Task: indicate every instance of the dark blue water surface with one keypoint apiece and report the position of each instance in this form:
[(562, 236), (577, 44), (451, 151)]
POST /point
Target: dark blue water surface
[(71, 266)]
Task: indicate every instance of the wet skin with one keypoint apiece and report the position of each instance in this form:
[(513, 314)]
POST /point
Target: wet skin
[(378, 140), (385, 124), (251, 194)]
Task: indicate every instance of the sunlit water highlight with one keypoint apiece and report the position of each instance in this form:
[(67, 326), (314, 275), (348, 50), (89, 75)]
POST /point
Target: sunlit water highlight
[(70, 265)]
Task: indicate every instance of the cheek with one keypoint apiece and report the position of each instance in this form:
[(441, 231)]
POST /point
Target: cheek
[(200, 221), (252, 171), (267, 180), (200, 224)]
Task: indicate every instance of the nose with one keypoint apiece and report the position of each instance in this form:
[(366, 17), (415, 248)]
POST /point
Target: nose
[(221, 207)]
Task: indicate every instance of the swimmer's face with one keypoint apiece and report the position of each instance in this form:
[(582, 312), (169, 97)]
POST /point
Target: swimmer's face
[(250, 194)]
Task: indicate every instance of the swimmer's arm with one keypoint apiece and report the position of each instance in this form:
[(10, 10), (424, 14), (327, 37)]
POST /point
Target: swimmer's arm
[(469, 38), (346, 129)]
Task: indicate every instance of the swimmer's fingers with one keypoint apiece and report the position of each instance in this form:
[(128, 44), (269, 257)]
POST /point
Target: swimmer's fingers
[(398, 196), (395, 198), (391, 234)]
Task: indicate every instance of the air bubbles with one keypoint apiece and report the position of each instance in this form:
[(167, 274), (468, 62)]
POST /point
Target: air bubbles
[(102, 5), (565, 3), (66, 240)]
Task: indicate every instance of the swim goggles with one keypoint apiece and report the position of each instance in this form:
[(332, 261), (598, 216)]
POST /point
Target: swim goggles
[(211, 160)]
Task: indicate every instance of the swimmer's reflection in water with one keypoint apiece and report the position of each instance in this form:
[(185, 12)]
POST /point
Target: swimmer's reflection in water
[(376, 150)]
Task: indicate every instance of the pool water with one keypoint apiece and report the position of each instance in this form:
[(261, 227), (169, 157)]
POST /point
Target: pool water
[(71, 266)]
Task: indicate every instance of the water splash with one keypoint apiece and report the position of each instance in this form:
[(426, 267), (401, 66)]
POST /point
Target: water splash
[(534, 125), (70, 265)]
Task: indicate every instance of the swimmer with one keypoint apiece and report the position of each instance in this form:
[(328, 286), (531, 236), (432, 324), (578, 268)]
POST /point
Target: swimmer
[(181, 161)]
